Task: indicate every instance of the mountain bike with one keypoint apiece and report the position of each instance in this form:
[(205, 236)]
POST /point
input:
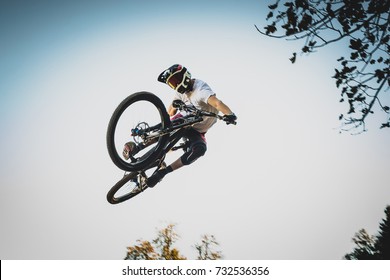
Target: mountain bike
[(143, 117)]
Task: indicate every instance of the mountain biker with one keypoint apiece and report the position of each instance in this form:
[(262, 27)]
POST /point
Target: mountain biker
[(192, 92)]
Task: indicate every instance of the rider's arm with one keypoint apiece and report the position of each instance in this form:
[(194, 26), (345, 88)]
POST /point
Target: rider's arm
[(219, 105), (171, 110)]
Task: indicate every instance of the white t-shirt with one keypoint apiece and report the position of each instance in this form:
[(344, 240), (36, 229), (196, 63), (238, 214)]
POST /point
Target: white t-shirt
[(198, 97)]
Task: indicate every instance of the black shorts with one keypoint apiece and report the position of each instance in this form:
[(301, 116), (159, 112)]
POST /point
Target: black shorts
[(197, 146)]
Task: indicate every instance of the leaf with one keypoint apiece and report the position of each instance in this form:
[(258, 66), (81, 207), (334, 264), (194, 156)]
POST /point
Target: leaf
[(354, 55), (270, 29), (371, 38), (290, 31), (329, 10), (385, 39), (292, 17), (273, 7), (379, 74), (293, 58), (346, 27), (302, 4), (305, 22), (355, 44), (385, 125), (338, 83), (360, 98), (350, 70)]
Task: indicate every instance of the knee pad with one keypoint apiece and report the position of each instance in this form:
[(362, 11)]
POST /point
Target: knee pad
[(194, 153)]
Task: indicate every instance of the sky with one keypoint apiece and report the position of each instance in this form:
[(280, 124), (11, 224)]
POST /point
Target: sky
[(282, 184)]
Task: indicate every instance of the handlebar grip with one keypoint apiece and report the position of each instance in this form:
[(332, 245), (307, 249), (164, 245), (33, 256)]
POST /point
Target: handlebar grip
[(177, 104), (230, 119)]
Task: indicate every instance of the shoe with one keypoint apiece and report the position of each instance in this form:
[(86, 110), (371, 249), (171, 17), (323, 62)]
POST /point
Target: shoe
[(130, 149), (155, 178)]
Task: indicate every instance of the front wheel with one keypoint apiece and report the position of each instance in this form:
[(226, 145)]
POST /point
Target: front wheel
[(138, 111)]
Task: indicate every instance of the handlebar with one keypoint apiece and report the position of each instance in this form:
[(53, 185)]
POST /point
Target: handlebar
[(143, 128), (203, 113)]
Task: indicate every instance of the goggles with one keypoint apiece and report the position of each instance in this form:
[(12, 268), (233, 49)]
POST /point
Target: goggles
[(175, 80)]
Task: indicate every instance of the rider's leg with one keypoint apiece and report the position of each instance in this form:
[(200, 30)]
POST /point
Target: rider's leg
[(197, 149)]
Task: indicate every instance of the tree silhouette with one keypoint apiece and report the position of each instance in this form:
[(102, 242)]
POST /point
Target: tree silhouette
[(365, 247), (382, 245), (372, 247), (206, 250), (165, 240), (364, 25), (161, 248), (143, 251)]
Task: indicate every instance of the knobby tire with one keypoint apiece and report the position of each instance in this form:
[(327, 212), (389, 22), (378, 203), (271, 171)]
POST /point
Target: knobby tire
[(111, 194)]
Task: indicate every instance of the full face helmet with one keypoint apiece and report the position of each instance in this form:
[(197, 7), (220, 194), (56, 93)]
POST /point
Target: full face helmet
[(177, 77)]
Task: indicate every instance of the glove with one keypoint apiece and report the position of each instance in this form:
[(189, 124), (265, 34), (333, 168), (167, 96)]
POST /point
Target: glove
[(230, 119), (177, 104)]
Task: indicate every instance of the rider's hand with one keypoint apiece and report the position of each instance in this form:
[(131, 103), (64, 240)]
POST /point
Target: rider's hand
[(177, 104), (230, 119)]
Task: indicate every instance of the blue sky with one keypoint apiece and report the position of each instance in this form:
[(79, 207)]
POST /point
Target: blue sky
[(282, 184)]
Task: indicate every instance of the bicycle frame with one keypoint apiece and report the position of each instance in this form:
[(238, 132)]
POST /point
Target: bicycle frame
[(176, 130)]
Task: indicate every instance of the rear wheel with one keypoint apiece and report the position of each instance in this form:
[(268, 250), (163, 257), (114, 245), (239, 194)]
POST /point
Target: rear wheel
[(141, 111), (129, 186), (132, 184)]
